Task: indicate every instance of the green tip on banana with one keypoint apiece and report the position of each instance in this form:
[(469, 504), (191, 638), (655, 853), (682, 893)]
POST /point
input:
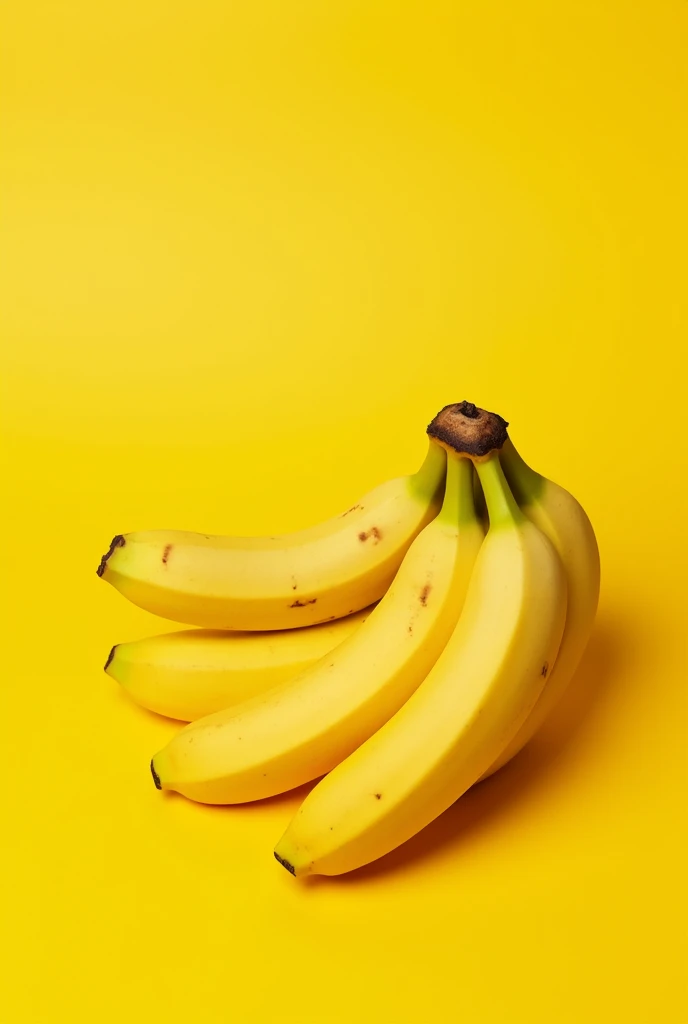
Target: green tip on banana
[(156, 777), (116, 542), (468, 430)]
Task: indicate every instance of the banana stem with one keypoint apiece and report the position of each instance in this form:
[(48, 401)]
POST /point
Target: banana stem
[(501, 504), (426, 481), (459, 504), (525, 483)]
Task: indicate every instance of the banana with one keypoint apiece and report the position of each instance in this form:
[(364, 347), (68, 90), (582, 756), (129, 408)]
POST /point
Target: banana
[(303, 728), (246, 583), (563, 520), (468, 708), (195, 672)]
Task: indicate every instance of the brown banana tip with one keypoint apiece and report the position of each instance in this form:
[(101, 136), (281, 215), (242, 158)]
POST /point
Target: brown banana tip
[(285, 864), (116, 542), (110, 657), (156, 777), (468, 430)]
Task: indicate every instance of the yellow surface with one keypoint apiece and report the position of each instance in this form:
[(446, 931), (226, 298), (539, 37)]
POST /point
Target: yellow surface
[(247, 251)]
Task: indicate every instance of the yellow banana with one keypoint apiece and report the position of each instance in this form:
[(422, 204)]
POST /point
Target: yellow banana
[(472, 702), (195, 672), (303, 728), (563, 520), (322, 573)]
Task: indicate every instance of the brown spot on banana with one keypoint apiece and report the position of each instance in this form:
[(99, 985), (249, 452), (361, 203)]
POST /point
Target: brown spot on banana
[(373, 532)]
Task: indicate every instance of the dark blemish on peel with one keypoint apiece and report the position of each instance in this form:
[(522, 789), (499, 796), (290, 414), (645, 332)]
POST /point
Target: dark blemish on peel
[(410, 630), (373, 532), (469, 430), (302, 604), (110, 657), (350, 510), (378, 796), (166, 553), (116, 542), (468, 409), (156, 777), (424, 594), (285, 863), (545, 670)]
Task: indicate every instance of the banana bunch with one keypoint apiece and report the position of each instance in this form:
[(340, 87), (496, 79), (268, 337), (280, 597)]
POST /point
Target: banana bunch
[(400, 652)]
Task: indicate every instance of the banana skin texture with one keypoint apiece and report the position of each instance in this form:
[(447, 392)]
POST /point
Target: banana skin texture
[(464, 714), (195, 672), (265, 583), (302, 729), (563, 520)]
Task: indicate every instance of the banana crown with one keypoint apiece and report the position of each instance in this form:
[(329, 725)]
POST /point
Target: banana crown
[(475, 434), (468, 430)]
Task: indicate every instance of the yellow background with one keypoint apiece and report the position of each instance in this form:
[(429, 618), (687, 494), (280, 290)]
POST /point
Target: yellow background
[(248, 250)]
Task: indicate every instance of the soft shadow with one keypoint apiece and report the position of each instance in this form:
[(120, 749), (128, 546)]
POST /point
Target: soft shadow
[(122, 698), (599, 675), (293, 798)]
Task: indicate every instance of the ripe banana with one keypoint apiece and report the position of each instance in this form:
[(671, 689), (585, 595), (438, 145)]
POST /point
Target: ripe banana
[(195, 672), (325, 572), (468, 708), (563, 520), (305, 727)]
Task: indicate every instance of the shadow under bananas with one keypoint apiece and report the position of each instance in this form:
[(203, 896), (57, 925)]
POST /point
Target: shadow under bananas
[(598, 679)]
